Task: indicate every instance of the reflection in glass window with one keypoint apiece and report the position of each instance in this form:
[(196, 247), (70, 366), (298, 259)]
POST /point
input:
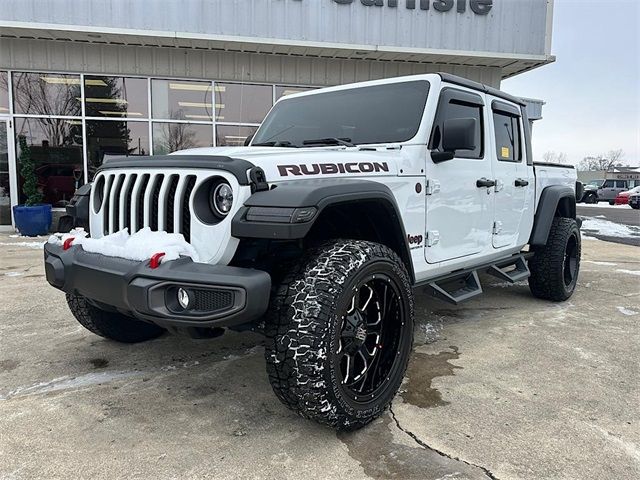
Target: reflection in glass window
[(182, 100), (115, 139), (115, 97), (4, 93), (228, 135), (55, 145), (285, 91), (46, 94), (5, 198), (242, 103), (171, 137)]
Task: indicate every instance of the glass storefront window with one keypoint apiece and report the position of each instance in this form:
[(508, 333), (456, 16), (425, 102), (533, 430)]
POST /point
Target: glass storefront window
[(242, 103), (4, 93), (233, 136), (181, 100), (115, 97), (171, 137), (5, 198), (46, 94), (115, 139), (55, 145), (284, 91)]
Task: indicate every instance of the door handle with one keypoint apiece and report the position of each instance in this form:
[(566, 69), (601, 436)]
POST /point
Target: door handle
[(484, 182), (521, 182)]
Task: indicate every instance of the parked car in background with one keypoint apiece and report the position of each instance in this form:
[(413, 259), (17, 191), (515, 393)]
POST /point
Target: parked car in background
[(590, 194), (634, 200), (623, 197), (610, 189)]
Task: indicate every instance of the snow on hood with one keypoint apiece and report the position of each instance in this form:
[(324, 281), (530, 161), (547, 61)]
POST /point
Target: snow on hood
[(140, 246)]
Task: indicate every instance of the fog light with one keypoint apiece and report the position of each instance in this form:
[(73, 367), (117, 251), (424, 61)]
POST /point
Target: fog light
[(185, 298)]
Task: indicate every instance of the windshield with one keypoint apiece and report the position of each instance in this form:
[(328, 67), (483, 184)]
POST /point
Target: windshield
[(378, 114)]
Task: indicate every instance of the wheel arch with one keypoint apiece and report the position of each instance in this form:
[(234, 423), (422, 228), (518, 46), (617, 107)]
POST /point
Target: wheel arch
[(555, 201), (345, 208)]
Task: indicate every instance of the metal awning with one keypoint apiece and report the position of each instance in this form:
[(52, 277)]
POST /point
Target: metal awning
[(511, 64)]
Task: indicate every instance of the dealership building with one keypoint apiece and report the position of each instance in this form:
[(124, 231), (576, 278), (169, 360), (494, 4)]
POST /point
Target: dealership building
[(82, 80)]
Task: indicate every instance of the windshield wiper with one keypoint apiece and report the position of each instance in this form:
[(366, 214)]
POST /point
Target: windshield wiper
[(279, 143), (330, 141)]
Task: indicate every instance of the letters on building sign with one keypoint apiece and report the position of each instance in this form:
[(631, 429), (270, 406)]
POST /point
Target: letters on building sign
[(479, 7)]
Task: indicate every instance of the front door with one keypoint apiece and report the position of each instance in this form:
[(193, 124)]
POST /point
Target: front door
[(515, 182), (459, 200), (5, 176)]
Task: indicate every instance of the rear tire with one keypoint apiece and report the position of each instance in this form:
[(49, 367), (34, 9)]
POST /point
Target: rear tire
[(635, 207), (555, 266), (111, 325), (612, 202), (340, 332)]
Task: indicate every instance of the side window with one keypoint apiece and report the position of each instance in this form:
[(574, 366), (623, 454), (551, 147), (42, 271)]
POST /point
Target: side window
[(621, 184), (508, 135), (454, 104), (608, 184)]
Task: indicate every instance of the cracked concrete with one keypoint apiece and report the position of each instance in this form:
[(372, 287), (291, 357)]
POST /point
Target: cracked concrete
[(504, 386)]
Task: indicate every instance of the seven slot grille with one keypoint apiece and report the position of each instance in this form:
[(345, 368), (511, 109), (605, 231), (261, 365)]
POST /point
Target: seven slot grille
[(155, 200)]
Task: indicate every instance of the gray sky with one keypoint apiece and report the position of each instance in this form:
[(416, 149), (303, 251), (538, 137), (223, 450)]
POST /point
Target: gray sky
[(592, 91)]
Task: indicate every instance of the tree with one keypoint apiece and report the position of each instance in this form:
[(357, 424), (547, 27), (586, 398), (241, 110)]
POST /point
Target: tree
[(27, 170), (555, 157), (602, 162)]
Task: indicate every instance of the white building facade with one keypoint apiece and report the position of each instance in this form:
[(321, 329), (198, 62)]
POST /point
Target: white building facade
[(81, 80)]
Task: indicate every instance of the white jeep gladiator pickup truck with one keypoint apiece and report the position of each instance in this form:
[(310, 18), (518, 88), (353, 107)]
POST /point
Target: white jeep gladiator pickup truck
[(318, 233)]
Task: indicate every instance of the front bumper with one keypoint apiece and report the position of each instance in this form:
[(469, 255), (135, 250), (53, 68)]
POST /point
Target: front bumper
[(222, 296)]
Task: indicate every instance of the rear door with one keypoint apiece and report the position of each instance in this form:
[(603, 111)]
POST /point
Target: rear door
[(515, 182), (459, 212)]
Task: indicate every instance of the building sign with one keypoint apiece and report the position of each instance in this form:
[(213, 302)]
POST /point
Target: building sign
[(479, 7)]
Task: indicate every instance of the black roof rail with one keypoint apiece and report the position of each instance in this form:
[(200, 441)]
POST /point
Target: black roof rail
[(481, 87)]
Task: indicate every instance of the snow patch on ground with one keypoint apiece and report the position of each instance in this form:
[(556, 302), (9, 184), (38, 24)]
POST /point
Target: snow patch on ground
[(34, 245), (603, 205), (605, 264), (140, 246), (609, 229), (628, 272), (13, 274), (626, 311), (67, 383)]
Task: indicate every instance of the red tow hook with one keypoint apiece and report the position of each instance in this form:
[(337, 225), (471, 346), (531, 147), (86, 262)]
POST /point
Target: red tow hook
[(67, 243), (154, 262)]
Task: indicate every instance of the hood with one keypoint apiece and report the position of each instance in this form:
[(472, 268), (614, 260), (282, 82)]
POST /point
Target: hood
[(281, 164)]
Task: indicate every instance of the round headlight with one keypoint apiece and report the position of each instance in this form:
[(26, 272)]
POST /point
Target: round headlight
[(222, 199)]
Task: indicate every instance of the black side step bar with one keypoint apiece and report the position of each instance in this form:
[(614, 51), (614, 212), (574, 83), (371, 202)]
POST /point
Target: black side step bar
[(518, 273), (465, 284), (470, 288)]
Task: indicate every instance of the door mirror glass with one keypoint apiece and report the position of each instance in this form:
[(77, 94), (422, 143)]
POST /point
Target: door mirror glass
[(459, 134)]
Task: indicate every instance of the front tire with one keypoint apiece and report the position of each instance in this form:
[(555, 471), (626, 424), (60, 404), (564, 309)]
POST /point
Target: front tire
[(591, 198), (340, 332), (111, 325), (555, 266)]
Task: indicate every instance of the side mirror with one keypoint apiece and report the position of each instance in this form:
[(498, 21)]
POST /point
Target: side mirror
[(457, 134), (247, 140)]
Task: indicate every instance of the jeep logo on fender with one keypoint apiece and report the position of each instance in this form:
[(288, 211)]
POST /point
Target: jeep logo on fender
[(333, 168), (415, 239)]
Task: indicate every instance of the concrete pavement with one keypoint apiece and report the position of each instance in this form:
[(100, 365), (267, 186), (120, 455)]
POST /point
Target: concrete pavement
[(504, 386)]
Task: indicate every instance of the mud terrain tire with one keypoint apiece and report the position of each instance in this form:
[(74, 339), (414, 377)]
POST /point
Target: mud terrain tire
[(341, 298), (111, 325), (555, 266)]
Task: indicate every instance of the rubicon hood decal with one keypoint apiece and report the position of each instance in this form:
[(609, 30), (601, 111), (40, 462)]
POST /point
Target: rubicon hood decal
[(332, 168)]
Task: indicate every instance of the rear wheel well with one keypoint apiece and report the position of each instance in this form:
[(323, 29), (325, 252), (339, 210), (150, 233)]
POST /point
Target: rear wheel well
[(566, 208)]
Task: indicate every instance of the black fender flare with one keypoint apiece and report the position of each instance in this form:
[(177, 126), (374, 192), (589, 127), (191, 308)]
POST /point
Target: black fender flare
[(551, 199), (320, 194)]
